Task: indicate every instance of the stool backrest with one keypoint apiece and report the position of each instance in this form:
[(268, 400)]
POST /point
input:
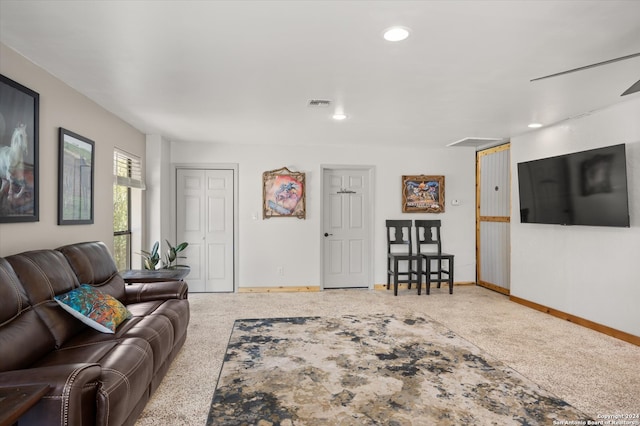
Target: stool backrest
[(399, 233), (428, 233)]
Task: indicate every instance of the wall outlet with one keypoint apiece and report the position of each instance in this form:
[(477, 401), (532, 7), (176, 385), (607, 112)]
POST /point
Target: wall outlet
[(281, 270), (455, 202)]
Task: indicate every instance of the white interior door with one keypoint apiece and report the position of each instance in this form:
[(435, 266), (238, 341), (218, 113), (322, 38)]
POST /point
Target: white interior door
[(204, 219), (346, 228)]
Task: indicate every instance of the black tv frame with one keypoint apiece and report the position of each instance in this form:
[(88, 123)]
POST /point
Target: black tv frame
[(587, 188)]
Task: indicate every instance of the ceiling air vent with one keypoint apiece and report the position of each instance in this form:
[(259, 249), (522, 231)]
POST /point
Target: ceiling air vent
[(476, 142), (319, 103)]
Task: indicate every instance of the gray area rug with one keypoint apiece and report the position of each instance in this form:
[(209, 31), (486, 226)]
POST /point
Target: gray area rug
[(371, 370)]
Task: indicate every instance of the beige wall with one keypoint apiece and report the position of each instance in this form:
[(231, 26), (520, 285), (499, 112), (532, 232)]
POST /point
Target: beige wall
[(61, 106)]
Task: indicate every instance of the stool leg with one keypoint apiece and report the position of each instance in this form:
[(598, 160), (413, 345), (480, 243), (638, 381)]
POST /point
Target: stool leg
[(451, 275), (395, 277), (419, 272), (428, 275), (410, 273)]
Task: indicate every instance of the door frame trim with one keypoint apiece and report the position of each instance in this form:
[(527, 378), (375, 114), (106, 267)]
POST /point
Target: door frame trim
[(370, 210), (236, 225)]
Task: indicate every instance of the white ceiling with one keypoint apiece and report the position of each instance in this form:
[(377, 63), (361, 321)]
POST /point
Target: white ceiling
[(244, 71)]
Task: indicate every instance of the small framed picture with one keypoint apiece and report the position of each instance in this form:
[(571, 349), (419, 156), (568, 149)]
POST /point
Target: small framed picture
[(283, 193), (75, 179), (422, 194)]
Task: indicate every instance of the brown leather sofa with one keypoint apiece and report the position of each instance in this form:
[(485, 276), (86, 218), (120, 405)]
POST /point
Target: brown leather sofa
[(94, 378)]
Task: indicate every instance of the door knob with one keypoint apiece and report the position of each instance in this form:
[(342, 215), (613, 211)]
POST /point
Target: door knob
[(326, 234)]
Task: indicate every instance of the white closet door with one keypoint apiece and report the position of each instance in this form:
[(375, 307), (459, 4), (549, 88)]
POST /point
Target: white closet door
[(205, 220)]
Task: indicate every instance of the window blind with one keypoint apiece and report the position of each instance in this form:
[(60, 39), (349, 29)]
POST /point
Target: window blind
[(127, 170)]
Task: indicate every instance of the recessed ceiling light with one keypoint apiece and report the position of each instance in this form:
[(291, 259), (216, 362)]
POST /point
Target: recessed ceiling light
[(535, 125), (396, 34), (339, 116)]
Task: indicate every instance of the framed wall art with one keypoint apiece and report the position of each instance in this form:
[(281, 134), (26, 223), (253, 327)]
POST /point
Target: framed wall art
[(283, 194), (75, 179), (422, 194), (19, 109)]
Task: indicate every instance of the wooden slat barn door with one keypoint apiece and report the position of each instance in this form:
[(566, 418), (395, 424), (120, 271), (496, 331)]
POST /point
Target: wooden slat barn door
[(493, 211)]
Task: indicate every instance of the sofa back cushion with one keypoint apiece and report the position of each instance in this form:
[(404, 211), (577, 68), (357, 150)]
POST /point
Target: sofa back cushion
[(45, 274), (24, 338), (93, 264)]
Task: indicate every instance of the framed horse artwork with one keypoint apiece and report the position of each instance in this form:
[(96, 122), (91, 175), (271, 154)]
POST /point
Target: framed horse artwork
[(283, 194), (19, 108)]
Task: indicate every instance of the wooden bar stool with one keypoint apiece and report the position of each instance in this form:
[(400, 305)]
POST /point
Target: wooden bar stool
[(399, 234), (443, 272)]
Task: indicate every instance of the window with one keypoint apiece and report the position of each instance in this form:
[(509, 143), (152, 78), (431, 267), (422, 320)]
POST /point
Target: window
[(122, 226), (127, 171)]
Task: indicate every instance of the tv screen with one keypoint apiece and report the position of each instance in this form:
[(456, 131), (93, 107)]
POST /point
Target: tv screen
[(582, 188)]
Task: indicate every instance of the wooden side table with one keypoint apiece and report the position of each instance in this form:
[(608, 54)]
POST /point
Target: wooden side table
[(15, 401), (154, 275)]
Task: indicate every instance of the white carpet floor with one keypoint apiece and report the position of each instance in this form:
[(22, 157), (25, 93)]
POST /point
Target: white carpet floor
[(595, 373)]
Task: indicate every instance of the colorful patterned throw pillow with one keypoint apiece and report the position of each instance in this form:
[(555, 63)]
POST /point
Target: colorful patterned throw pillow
[(94, 308)]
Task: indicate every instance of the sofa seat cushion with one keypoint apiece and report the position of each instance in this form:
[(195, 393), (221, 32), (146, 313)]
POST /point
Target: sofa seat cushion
[(156, 330), (82, 353), (177, 311), (144, 308), (89, 335)]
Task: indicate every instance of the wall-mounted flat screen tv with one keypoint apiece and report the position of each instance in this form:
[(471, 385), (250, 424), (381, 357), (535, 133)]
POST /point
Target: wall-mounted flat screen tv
[(582, 188)]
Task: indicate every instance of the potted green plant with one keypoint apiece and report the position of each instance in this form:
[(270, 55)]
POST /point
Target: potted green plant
[(151, 258), (171, 257)]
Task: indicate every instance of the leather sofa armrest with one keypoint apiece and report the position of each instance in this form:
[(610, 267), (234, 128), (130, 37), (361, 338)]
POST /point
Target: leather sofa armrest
[(71, 398), (162, 290), (64, 375)]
